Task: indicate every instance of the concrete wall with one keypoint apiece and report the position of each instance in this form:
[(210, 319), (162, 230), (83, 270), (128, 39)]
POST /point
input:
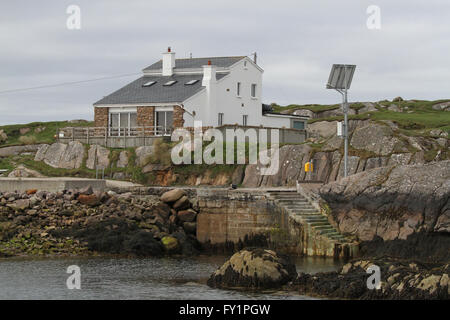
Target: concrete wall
[(49, 184)]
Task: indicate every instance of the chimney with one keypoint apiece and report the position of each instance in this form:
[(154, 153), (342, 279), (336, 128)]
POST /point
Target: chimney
[(210, 82), (209, 75), (168, 62)]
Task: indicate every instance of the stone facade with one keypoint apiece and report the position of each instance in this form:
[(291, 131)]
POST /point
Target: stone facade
[(101, 116), (146, 116), (178, 121)]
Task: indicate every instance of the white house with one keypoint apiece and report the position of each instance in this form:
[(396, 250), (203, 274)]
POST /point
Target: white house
[(174, 92)]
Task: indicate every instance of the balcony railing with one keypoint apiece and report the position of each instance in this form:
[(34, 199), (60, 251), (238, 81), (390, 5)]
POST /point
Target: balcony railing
[(86, 133)]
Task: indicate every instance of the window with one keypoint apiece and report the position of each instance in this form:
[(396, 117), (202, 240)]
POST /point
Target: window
[(298, 124), (149, 83), (253, 93), (244, 119), (238, 89), (122, 123), (164, 122), (169, 83), (191, 82), (220, 120)]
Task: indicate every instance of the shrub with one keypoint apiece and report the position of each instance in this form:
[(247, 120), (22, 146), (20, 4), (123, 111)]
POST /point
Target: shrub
[(27, 139), (161, 153)]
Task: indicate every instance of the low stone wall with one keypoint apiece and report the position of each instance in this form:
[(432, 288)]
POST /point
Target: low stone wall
[(231, 215)]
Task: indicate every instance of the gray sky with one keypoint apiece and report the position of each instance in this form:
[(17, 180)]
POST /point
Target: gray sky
[(297, 42)]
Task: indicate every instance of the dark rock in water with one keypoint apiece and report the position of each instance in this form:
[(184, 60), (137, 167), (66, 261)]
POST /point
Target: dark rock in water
[(190, 227), (143, 244), (398, 280), (254, 269)]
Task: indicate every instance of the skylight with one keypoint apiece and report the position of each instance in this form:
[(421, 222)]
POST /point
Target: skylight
[(149, 84), (191, 82), (171, 82)]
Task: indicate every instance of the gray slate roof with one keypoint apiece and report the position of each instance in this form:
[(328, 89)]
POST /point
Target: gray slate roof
[(134, 92), (221, 62)]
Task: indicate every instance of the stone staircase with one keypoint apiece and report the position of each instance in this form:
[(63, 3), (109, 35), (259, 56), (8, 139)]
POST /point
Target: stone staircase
[(321, 237)]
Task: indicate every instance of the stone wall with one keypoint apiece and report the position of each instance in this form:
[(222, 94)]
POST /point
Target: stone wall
[(230, 216), (101, 116), (146, 116), (178, 121)]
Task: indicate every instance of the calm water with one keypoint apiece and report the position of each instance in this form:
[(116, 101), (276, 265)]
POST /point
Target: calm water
[(122, 278)]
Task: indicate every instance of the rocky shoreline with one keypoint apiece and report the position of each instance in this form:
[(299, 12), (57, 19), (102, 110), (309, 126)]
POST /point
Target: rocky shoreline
[(83, 222)]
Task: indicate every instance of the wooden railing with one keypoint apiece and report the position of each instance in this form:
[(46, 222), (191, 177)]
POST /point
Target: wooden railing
[(86, 133)]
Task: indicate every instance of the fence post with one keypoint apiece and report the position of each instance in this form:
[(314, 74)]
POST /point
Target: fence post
[(87, 138), (73, 133), (106, 138)]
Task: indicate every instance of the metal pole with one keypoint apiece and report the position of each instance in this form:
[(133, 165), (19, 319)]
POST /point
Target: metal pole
[(345, 110)]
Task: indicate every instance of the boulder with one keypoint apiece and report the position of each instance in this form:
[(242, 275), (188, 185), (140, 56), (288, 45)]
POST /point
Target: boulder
[(142, 154), (24, 172), (24, 130), (392, 202), (16, 150), (187, 215), (40, 153), (122, 162), (90, 200), (255, 269), (170, 244), (98, 156), (54, 154), (325, 129), (377, 138), (190, 227), (172, 195), (72, 158), (3, 136), (182, 203)]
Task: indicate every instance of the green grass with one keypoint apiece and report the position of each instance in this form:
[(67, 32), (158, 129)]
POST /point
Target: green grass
[(45, 136), (312, 107)]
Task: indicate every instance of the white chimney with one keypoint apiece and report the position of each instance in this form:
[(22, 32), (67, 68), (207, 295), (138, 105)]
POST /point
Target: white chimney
[(209, 75), (210, 82), (168, 62)]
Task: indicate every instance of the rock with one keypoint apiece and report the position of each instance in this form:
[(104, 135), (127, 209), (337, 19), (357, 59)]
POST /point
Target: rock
[(98, 156), (24, 130), (378, 139), (238, 175), (72, 157), (20, 204), (182, 203), (352, 166), (90, 200), (391, 202), (304, 113), (3, 136), (23, 172), (31, 191), (40, 154), (254, 268), (54, 154), (122, 162), (143, 244), (154, 167), (187, 215), (444, 106), (17, 150), (368, 107), (190, 227), (142, 154), (86, 190), (397, 99), (324, 129), (170, 244), (172, 195), (401, 158)]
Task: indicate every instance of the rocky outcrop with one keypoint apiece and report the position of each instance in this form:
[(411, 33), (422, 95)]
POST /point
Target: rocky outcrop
[(255, 269), (399, 280), (142, 154), (98, 157), (61, 155), (24, 172), (392, 202), (17, 150), (3, 136), (84, 221)]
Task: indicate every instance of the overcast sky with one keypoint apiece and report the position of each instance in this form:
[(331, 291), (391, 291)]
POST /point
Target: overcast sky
[(297, 42)]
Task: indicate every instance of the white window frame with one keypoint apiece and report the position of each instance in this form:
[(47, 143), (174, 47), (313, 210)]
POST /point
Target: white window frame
[(253, 89), (165, 110)]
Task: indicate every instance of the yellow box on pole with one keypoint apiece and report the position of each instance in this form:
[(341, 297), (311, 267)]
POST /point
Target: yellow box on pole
[(309, 167)]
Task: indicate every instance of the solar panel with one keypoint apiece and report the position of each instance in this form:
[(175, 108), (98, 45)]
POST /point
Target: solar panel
[(191, 82), (341, 76), (169, 83), (149, 84)]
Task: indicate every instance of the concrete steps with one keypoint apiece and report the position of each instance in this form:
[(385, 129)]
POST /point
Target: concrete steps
[(302, 211)]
